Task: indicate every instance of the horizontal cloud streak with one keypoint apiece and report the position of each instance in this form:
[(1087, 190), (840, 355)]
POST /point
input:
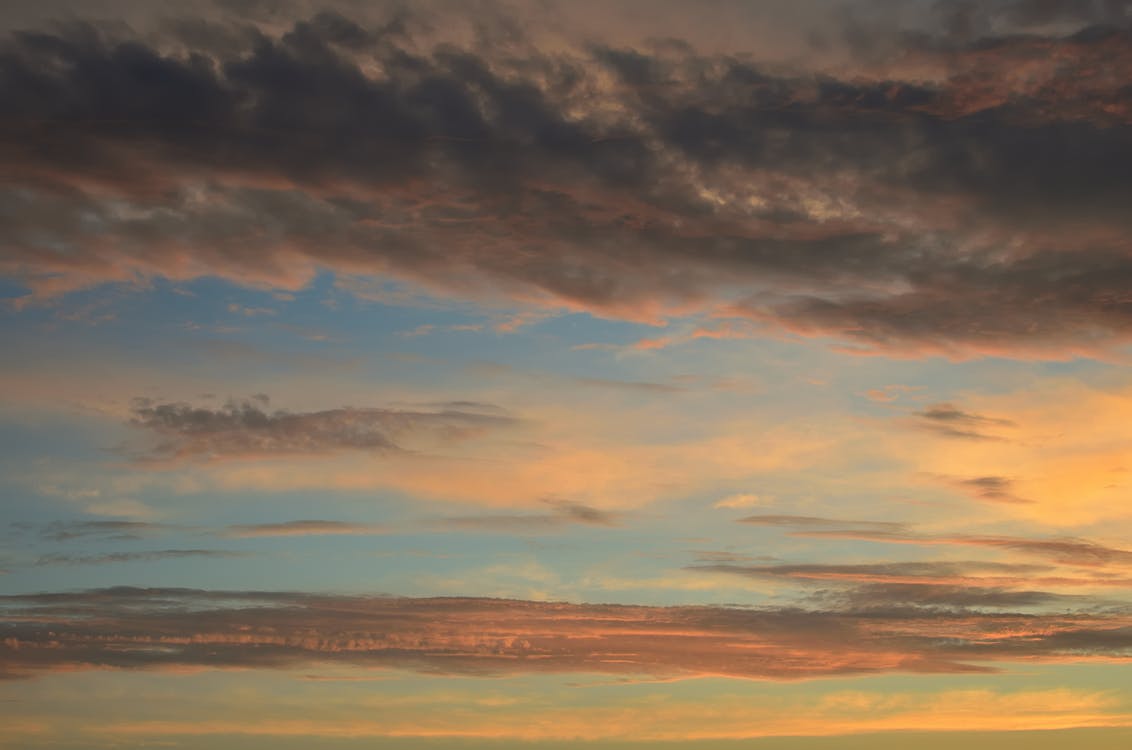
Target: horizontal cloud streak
[(246, 429), (814, 522), (1061, 550), (1065, 551), (950, 421), (166, 628), (562, 514), (60, 531), (139, 556), (304, 528)]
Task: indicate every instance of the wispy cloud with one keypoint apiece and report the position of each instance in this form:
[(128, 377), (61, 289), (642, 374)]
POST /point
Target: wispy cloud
[(815, 522), (950, 421), (61, 531), (246, 429), (140, 556), (739, 500), (562, 513), (993, 488), (304, 528), (1061, 550)]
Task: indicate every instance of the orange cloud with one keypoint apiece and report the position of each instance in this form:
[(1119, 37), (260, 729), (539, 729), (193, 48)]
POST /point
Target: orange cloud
[(137, 628)]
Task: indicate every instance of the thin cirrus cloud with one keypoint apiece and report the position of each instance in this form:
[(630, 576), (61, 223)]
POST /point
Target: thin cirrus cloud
[(932, 572), (870, 205), (247, 429), (175, 628), (952, 422), (1060, 550), (62, 531), (311, 527), (138, 556), (815, 522), (933, 586), (1064, 551), (562, 513)]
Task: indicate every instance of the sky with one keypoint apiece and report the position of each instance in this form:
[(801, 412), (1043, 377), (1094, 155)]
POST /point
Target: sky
[(617, 375)]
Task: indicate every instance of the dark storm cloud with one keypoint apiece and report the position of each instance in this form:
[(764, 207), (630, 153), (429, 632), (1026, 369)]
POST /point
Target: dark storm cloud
[(247, 429), (972, 211), (128, 628)]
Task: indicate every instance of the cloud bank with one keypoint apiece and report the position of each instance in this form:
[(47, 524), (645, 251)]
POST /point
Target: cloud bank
[(960, 192), (131, 628)]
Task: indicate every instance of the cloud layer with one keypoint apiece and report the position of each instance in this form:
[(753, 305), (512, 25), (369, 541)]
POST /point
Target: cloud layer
[(165, 628), (961, 192)]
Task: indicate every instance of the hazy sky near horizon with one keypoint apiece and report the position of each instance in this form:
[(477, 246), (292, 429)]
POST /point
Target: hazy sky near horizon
[(602, 374)]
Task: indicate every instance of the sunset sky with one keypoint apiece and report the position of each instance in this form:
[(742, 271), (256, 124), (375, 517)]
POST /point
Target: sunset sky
[(614, 374)]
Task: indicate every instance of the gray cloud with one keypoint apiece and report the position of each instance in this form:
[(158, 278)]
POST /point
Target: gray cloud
[(965, 213), (950, 421), (993, 488), (247, 429)]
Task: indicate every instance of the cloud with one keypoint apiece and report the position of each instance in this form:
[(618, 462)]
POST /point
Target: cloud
[(992, 488), (142, 556), (1064, 550), (304, 528), (245, 429), (949, 421), (965, 572), (814, 522), (956, 193), (887, 596), (173, 628), (60, 531), (562, 513)]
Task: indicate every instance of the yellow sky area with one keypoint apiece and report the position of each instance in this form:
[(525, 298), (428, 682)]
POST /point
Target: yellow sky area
[(652, 718), (1067, 452), (582, 465)]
